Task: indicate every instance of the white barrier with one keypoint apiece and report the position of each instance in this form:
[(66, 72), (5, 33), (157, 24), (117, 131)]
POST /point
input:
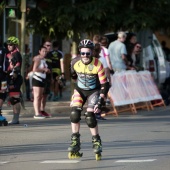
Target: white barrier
[(131, 87)]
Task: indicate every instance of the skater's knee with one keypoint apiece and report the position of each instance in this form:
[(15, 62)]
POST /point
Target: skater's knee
[(14, 100), (91, 119), (75, 114)]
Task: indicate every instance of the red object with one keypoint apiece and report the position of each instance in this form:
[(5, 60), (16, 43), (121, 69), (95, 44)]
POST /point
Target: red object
[(151, 66), (45, 114)]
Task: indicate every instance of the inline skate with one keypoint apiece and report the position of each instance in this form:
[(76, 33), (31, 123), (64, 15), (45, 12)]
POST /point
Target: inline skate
[(97, 147), (74, 147), (3, 121)]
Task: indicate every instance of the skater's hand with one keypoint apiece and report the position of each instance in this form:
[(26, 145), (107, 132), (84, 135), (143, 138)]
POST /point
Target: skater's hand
[(96, 109), (98, 106), (46, 70)]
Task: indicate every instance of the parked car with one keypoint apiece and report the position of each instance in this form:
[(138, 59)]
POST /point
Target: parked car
[(152, 57)]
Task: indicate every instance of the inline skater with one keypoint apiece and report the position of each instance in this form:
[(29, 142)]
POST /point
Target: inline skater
[(92, 86), (15, 80), (14, 58)]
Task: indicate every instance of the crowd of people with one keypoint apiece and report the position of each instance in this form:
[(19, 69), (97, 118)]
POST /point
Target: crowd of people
[(42, 70), (47, 67)]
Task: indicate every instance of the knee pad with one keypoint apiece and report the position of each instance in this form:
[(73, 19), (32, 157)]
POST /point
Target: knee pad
[(75, 116), (14, 100), (90, 119)]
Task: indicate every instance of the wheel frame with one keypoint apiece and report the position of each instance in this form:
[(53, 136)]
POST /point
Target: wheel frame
[(98, 156)]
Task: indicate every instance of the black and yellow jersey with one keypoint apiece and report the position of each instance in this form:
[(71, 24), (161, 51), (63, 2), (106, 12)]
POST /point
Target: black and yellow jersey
[(56, 56), (90, 76)]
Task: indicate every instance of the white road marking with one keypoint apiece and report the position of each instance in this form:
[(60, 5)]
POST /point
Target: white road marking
[(3, 162), (134, 161), (60, 161)]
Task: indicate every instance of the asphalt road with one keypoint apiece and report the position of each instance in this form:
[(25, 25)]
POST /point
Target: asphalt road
[(130, 142)]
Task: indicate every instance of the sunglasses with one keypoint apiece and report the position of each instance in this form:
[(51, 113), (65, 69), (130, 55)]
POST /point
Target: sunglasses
[(85, 53), (48, 45)]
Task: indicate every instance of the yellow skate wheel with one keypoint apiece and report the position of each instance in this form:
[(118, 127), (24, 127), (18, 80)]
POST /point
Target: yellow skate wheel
[(70, 155), (76, 155), (98, 156)]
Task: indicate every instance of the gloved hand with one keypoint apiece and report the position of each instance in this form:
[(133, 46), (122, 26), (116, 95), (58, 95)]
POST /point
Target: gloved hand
[(99, 105), (112, 72)]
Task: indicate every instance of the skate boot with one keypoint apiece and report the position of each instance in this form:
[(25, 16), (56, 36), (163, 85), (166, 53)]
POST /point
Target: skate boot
[(74, 147), (15, 119), (97, 146), (3, 121)]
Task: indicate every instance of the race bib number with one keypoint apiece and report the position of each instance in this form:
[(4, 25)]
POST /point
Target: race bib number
[(3, 85)]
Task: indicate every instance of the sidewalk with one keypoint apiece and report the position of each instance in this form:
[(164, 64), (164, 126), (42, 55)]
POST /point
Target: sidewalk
[(57, 107)]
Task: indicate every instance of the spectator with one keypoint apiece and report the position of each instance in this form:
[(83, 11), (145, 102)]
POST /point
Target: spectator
[(130, 43), (97, 39), (117, 51), (40, 70), (103, 41), (133, 57), (57, 69), (105, 52), (48, 80)]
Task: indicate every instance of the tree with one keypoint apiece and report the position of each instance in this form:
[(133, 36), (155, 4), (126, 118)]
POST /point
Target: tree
[(2, 6), (71, 18)]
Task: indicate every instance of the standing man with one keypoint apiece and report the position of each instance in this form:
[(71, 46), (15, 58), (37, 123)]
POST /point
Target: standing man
[(92, 86), (117, 51), (57, 69)]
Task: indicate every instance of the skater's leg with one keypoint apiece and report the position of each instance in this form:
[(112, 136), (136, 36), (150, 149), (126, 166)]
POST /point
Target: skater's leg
[(2, 99), (75, 118), (15, 101), (3, 120), (75, 127), (92, 123), (90, 115), (75, 137), (74, 147), (97, 144), (75, 143)]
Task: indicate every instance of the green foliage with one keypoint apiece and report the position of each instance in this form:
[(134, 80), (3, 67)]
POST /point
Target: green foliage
[(71, 18), (2, 6)]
